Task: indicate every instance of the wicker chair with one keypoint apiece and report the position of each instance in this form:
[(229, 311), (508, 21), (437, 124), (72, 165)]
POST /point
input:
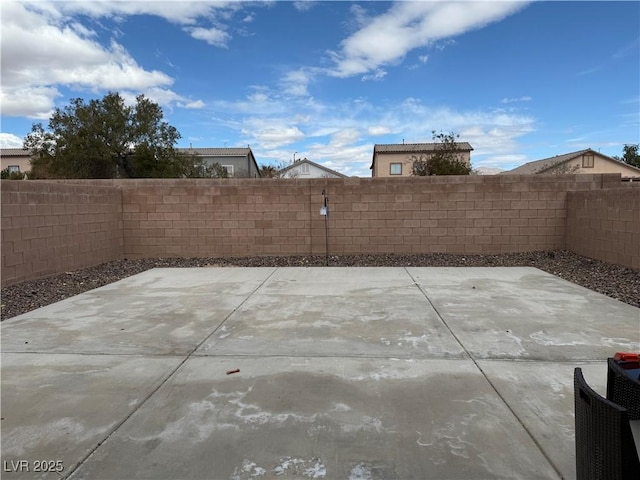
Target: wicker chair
[(623, 390), (605, 449)]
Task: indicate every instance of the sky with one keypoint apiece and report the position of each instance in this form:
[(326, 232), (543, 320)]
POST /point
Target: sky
[(327, 80)]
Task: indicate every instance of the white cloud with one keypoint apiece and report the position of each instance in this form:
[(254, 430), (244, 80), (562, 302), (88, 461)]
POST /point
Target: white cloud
[(343, 134), (359, 15), (423, 58), (192, 105), (258, 97), (183, 13), (163, 97), (39, 52), (269, 135), (33, 102), (516, 99), (349, 160), (344, 138), (387, 38), (43, 48), (296, 82), (304, 5), (378, 75), (9, 140), (376, 130), (213, 36)]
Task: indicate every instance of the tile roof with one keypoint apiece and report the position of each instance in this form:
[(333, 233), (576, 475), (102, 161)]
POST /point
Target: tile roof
[(219, 152), (539, 166), (415, 147), (306, 160), (542, 166), (15, 152)]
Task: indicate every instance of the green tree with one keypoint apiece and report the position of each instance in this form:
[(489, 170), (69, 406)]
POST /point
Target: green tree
[(104, 139), (630, 155), (7, 175), (198, 168), (446, 159), (268, 171)]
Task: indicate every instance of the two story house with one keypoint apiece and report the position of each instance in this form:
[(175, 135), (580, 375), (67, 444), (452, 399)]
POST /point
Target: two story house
[(238, 162), (396, 159)]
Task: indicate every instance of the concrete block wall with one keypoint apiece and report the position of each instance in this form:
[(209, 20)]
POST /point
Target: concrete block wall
[(216, 218), (605, 225), (477, 214), (50, 228)]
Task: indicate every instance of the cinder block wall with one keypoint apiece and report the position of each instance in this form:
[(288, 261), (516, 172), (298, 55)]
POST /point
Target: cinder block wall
[(477, 214), (216, 218), (605, 225), (50, 228)]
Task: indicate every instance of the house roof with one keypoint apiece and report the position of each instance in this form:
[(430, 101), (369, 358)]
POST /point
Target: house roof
[(218, 152), (317, 165), (541, 166), (14, 152), (413, 148)]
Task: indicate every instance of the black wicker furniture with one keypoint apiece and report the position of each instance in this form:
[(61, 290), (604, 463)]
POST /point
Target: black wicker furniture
[(622, 389), (605, 448)]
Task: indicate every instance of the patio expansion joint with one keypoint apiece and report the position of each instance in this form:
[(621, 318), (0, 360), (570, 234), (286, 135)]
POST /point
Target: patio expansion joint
[(493, 387), (190, 354), (307, 355), (97, 354)]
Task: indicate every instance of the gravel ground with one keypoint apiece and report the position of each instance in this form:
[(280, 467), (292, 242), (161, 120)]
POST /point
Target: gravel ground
[(615, 281)]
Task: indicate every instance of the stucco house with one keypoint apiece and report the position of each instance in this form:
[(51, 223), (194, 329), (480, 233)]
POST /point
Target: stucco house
[(238, 162), (15, 159), (305, 168), (582, 161), (396, 159)]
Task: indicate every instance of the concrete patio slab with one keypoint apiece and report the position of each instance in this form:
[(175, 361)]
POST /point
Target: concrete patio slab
[(344, 373), (163, 311), (322, 418), (121, 323), (61, 407), (193, 281), (541, 396), (526, 313), (394, 321)]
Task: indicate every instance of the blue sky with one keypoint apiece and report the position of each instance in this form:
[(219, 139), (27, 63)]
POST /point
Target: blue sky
[(327, 80)]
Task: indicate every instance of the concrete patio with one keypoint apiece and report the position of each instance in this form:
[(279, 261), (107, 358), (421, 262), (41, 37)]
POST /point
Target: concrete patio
[(344, 373)]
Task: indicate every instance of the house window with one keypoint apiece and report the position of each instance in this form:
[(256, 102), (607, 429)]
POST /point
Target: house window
[(587, 160), (229, 170), (14, 168), (304, 169), (395, 169)]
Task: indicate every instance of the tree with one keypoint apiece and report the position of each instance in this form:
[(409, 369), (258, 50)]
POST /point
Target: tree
[(198, 168), (268, 171), (563, 168), (7, 175), (446, 159), (630, 155), (105, 139)]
